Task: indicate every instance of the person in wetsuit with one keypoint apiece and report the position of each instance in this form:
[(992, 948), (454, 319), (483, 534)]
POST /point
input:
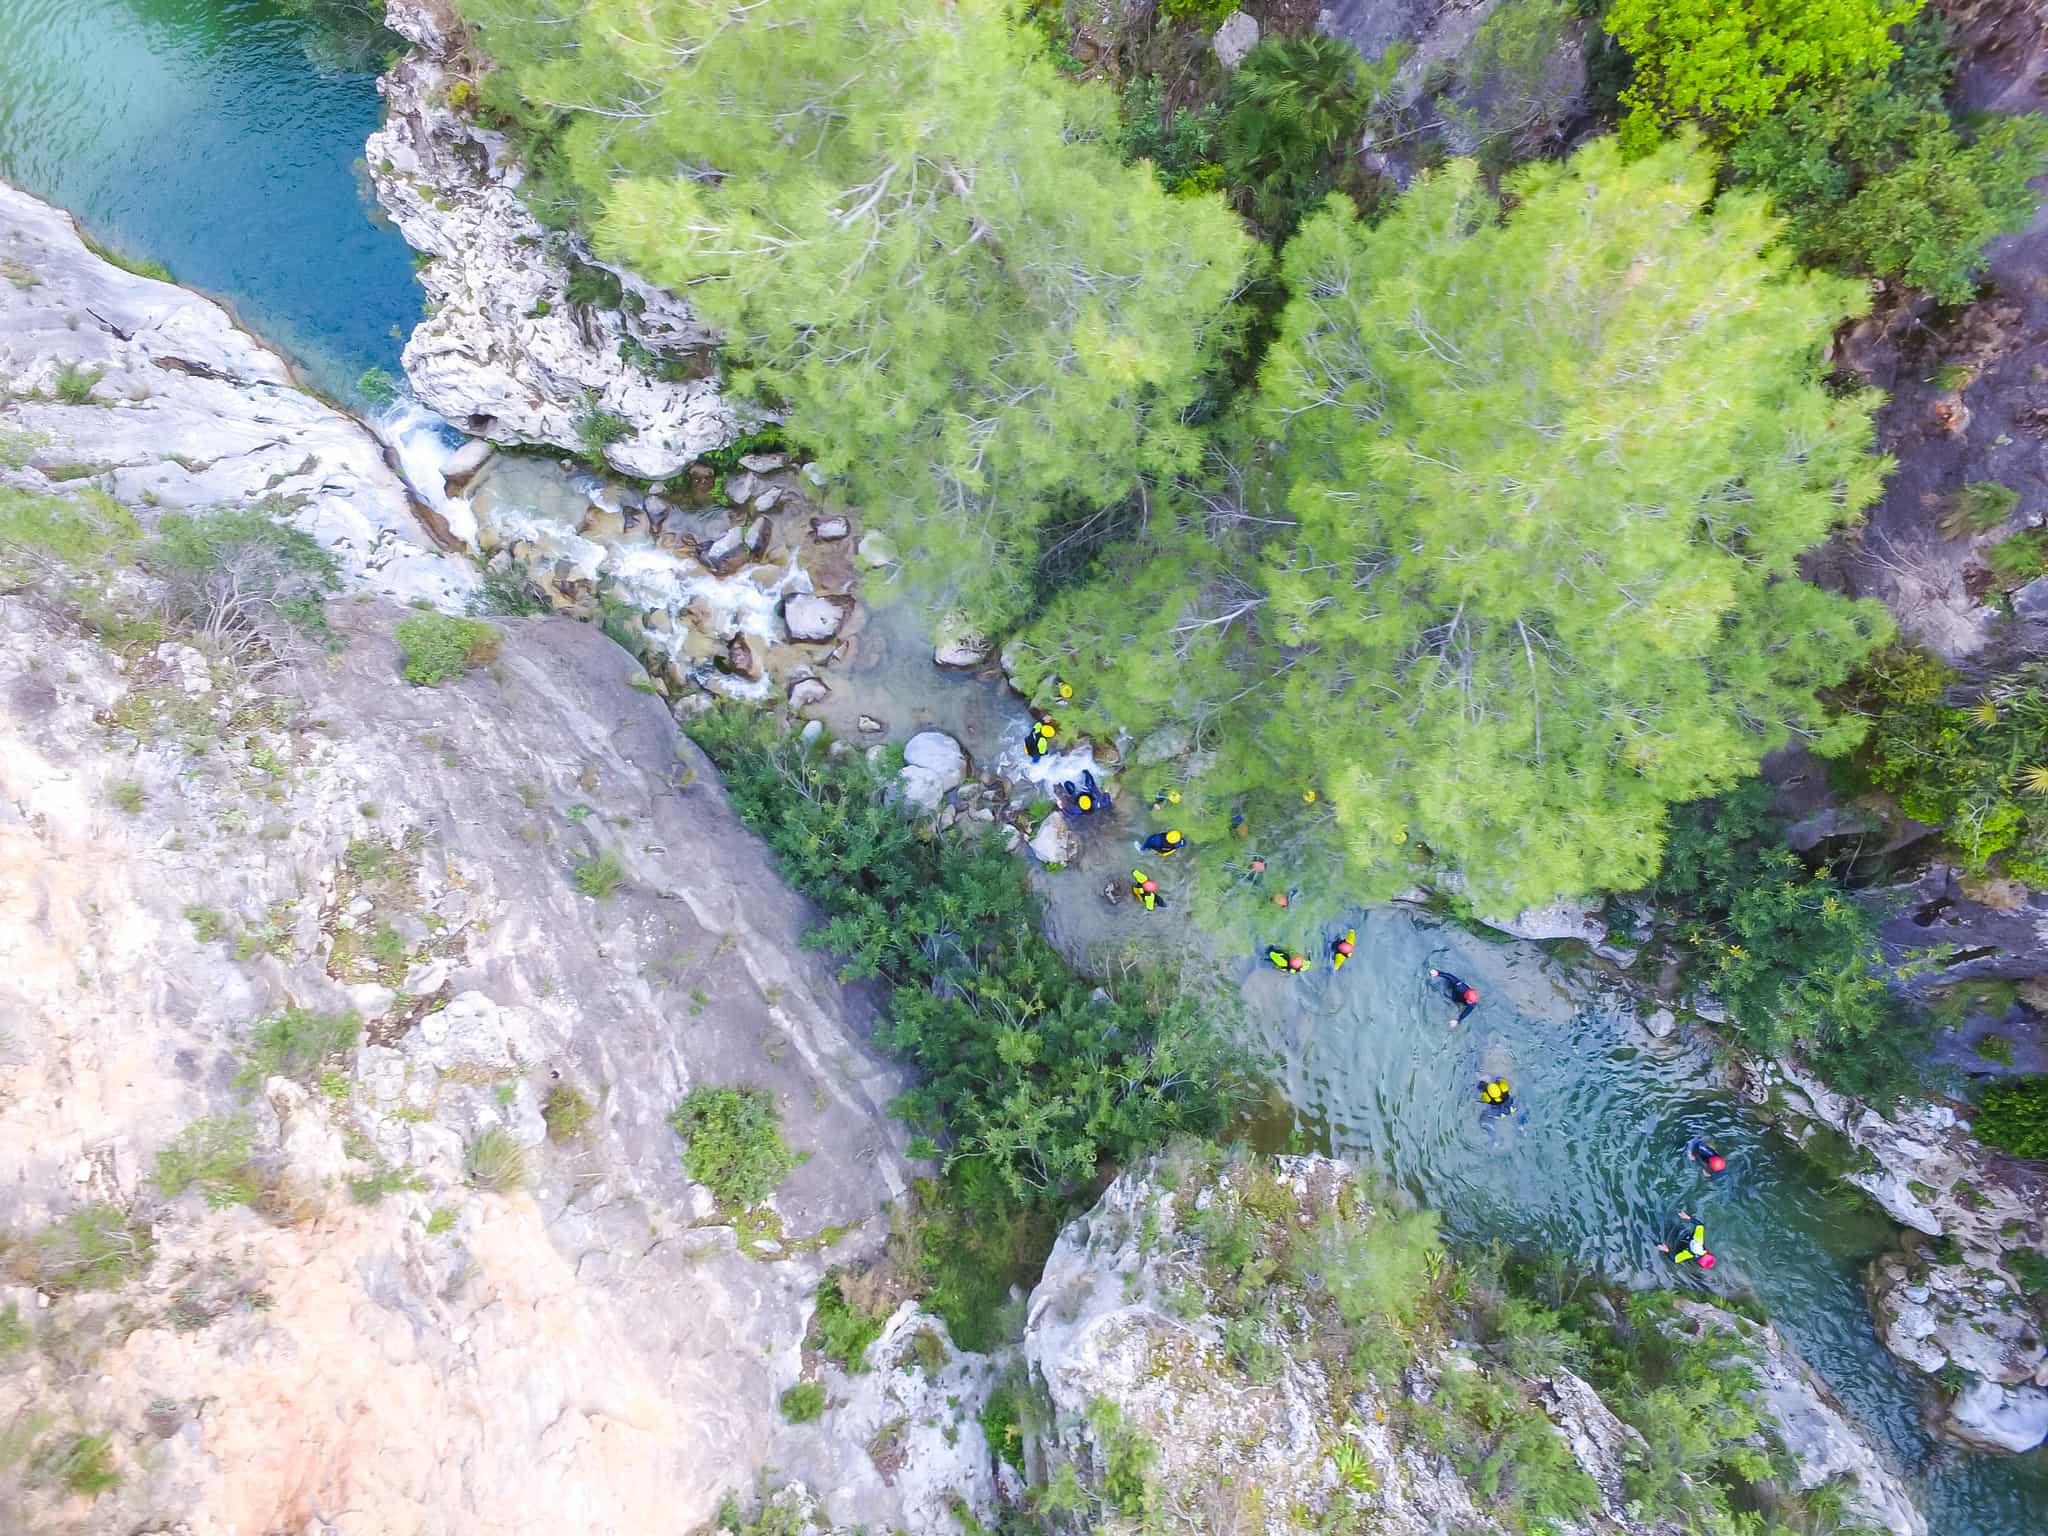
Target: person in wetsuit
[(1082, 800), (1459, 992), (1145, 890), (1497, 1098), (1689, 1243), (1343, 949), (1165, 844), (1698, 1151), (1285, 960), (1039, 742)]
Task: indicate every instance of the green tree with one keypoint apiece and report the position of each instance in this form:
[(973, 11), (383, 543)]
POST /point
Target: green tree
[(1515, 567), (1293, 103), (1729, 63), (914, 234), (1874, 175)]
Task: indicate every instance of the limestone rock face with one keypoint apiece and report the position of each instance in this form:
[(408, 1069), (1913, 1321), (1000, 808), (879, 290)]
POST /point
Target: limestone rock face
[(2000, 1418), (591, 1349), (506, 354), (1055, 841), (188, 412), (1129, 1339), (1235, 37)]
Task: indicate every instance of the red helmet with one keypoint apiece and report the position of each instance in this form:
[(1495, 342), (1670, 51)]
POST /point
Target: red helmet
[(1706, 1261), (1151, 886), (1297, 963), (1471, 994), (1345, 946), (1717, 1162)]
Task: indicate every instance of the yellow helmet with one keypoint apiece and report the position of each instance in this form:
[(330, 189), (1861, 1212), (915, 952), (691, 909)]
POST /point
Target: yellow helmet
[(1308, 797), (1065, 688), (1086, 802), (1173, 838)]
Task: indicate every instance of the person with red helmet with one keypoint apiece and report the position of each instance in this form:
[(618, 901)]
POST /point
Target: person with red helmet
[(1145, 890), (1461, 993), (1698, 1151), (1284, 959), (1343, 949), (1688, 1247)]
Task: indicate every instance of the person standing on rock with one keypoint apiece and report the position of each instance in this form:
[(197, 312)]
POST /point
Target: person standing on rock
[(1145, 890), (1039, 742), (1165, 844)]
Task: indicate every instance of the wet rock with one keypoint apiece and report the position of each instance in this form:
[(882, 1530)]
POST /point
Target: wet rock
[(468, 459), (934, 764), (2031, 601), (1562, 919), (830, 529), (763, 463), (874, 550), (194, 413), (959, 643), (504, 353), (770, 499), (741, 660), (870, 725), (814, 474), (1661, 1023), (726, 553), (813, 618), (759, 532), (742, 488), (2000, 1418), (1236, 37), (1055, 841), (807, 691), (657, 508), (812, 730)]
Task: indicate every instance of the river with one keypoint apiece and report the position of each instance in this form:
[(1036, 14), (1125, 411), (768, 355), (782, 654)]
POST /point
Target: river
[(198, 133)]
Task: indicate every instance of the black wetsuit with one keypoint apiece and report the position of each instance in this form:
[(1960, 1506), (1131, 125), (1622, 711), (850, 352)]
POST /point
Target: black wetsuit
[(1455, 990)]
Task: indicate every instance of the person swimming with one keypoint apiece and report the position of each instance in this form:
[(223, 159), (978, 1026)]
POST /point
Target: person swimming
[(1465, 995), (1282, 959), (1496, 1096), (1343, 949), (1698, 1151), (1689, 1243)]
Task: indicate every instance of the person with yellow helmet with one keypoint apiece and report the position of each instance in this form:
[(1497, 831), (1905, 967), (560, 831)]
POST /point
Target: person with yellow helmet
[(1062, 687), (1343, 949), (1039, 742), (1145, 890), (1166, 844), (1084, 799)]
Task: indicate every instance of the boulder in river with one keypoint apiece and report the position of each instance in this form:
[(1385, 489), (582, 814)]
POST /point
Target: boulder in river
[(726, 553), (813, 618), (1055, 841), (2000, 1418), (827, 530), (959, 643), (468, 459), (806, 691), (741, 659), (934, 764)]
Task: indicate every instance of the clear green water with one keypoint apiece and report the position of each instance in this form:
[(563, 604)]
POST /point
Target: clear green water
[(198, 133)]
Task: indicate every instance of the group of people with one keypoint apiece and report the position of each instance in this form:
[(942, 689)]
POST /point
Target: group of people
[(1687, 1244)]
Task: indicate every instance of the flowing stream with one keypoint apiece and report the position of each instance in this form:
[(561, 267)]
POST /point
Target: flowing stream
[(199, 133)]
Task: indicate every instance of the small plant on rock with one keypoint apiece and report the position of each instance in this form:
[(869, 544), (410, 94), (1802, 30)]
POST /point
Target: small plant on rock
[(211, 1156), (733, 1144), (496, 1161), (600, 877), (294, 1043), (75, 383), (568, 1112), (438, 647), (1978, 507), (803, 1403)]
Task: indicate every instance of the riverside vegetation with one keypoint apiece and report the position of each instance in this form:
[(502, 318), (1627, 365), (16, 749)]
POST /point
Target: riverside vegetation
[(1457, 528)]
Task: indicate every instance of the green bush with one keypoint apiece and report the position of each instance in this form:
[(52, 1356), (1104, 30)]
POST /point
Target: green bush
[(844, 1332), (1181, 145), (377, 388), (211, 1156), (95, 1248), (14, 1333), (72, 530), (139, 265), (597, 429), (1021, 1070), (496, 1161), (2031, 1268), (733, 1144), (568, 1112), (295, 1043), (1295, 104), (803, 1403), (600, 876), (594, 286), (207, 923), (2012, 1114), (242, 576), (1002, 1424), (2017, 560), (1129, 1457), (1979, 507), (438, 646), (75, 383), (82, 1463)]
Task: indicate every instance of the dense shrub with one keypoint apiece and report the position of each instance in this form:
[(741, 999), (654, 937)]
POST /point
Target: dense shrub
[(2012, 1114), (438, 646), (243, 580), (1020, 1067), (733, 1144), (294, 1043), (1294, 103), (495, 1161), (843, 1330), (568, 1112), (803, 1403)]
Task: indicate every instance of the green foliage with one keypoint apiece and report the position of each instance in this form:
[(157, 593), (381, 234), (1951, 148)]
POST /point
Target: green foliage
[(213, 1157), (803, 1403), (1129, 1457), (1380, 1272), (1508, 1450), (1181, 145), (295, 1043), (82, 1463), (15, 1335), (75, 383), (2031, 1269), (505, 592), (568, 1112), (1020, 1068), (72, 530), (1206, 14), (496, 1161), (1518, 569), (1976, 772), (240, 577), (1978, 507), (1002, 1423), (1795, 958), (2012, 1114), (600, 876), (969, 1243), (844, 1332), (1993, 1047), (597, 429), (1729, 63), (139, 266), (207, 923), (128, 795), (1875, 176), (733, 1144), (438, 646), (1297, 103), (594, 286), (2018, 560), (913, 234), (377, 388), (95, 1248)]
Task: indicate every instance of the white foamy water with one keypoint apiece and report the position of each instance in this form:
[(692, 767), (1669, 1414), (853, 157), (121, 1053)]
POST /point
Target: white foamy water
[(423, 444)]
